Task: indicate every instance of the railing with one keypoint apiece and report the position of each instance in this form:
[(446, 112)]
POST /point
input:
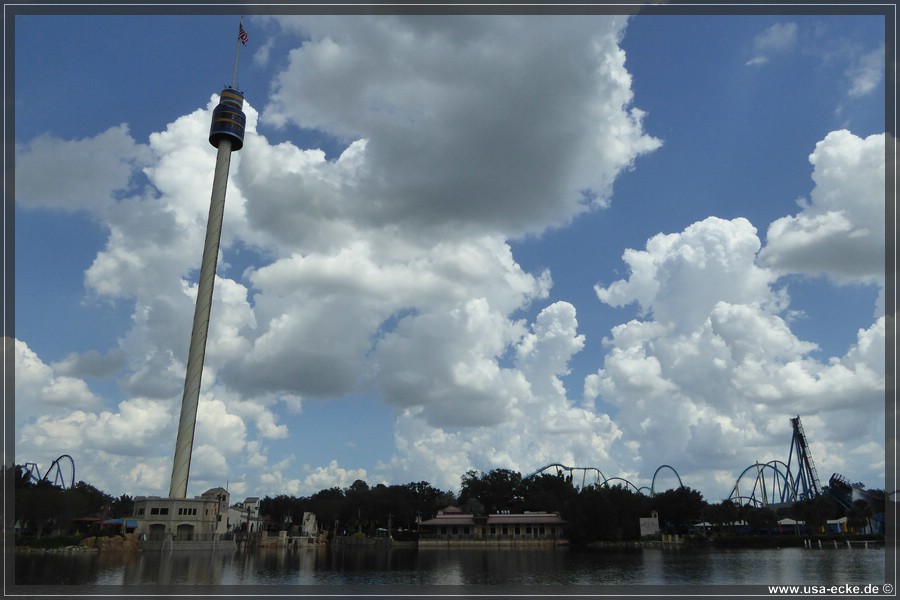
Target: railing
[(185, 537), (487, 538)]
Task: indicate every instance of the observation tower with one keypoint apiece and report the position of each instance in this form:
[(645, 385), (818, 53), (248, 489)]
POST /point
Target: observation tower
[(198, 523), (226, 133)]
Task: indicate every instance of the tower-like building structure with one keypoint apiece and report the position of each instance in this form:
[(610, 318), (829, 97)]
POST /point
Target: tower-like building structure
[(226, 133), (198, 522)]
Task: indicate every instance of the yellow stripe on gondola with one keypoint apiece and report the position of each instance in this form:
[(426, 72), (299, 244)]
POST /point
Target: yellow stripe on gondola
[(225, 97), (241, 125)]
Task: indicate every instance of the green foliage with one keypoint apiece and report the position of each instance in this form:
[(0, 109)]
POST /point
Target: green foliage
[(122, 507), (496, 491), (858, 515), (678, 509), (46, 508), (605, 513), (816, 511), (361, 508)]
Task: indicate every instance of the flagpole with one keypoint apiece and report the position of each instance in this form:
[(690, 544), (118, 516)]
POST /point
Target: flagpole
[(237, 52)]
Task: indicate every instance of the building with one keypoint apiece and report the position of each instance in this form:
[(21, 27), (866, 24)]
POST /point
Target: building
[(650, 525), (244, 516), (452, 526), (184, 522)]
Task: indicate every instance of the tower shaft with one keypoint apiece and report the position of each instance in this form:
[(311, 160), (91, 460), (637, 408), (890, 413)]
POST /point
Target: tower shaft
[(227, 134), (197, 350)]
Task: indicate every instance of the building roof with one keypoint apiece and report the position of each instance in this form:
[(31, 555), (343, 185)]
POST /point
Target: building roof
[(529, 518), (119, 522)]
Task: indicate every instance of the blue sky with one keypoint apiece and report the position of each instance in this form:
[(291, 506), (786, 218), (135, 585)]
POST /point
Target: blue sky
[(451, 243)]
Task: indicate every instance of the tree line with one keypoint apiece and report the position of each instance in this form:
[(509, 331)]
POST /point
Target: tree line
[(593, 513), (597, 512), (42, 508)]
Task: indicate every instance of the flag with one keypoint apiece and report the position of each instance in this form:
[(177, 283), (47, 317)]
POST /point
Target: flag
[(242, 35)]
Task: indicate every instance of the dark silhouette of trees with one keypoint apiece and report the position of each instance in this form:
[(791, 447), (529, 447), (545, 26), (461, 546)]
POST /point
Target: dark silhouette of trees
[(361, 508), (594, 513), (499, 490), (678, 509), (760, 519), (42, 507), (858, 515), (605, 513), (815, 512)]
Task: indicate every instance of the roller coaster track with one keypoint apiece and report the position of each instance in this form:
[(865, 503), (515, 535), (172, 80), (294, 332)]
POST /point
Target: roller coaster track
[(780, 491), (56, 469), (606, 480), (798, 480)]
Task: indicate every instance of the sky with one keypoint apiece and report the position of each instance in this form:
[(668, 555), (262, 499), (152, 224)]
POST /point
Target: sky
[(452, 242)]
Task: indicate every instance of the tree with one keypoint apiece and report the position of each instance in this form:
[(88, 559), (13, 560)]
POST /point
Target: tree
[(38, 505), (760, 518), (815, 511), (329, 506), (498, 490), (545, 492), (22, 479), (858, 515), (679, 508)]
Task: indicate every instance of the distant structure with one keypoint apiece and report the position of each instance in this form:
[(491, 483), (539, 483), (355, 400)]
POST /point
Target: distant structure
[(56, 469), (452, 527), (227, 134), (200, 522)]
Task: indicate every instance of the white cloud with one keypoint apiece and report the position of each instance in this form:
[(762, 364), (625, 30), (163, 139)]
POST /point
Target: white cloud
[(87, 174), (867, 73), (679, 278), (840, 230), (388, 268), (91, 363), (777, 39), (461, 108), (712, 372), (39, 389), (536, 426), (332, 475)]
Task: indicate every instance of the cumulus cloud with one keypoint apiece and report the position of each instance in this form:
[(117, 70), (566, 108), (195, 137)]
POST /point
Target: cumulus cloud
[(536, 426), (41, 389), (711, 371), (91, 363), (385, 267), (679, 278), (87, 174), (457, 121), (840, 229), (331, 475)]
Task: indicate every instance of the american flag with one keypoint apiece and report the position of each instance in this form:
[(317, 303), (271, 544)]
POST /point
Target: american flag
[(242, 35)]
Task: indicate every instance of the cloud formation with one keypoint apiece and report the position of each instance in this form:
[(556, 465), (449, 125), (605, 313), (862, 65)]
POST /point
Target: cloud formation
[(777, 39), (840, 229), (385, 268), (712, 369)]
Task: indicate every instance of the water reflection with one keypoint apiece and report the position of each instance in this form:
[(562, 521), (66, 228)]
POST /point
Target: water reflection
[(440, 567)]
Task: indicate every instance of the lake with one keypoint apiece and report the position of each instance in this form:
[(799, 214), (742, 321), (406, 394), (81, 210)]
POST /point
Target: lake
[(338, 570)]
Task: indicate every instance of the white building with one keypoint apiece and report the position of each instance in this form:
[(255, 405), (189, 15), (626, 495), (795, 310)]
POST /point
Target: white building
[(244, 516), (203, 518)]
